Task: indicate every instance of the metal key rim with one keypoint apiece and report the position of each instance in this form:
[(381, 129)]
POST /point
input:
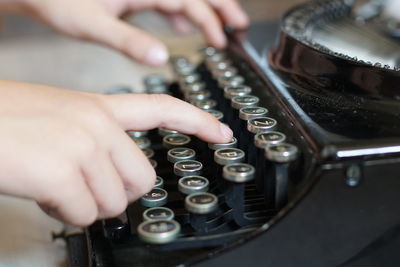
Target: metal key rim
[(238, 177), (159, 238), (201, 208), (146, 217), (174, 159), (187, 190)]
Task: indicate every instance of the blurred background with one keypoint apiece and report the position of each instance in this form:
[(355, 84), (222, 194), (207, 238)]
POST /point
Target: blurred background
[(30, 52)]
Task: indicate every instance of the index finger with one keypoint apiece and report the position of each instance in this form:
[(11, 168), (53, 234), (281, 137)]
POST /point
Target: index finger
[(142, 112)]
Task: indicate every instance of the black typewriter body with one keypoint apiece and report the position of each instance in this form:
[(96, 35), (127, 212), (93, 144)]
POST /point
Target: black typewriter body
[(341, 206)]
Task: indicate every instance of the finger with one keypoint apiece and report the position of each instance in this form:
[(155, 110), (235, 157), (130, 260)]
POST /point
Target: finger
[(133, 167), (69, 199), (105, 184), (129, 40), (180, 23), (142, 112), (231, 13)]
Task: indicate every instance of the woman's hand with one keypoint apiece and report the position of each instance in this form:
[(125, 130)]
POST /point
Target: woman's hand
[(98, 21), (68, 150)]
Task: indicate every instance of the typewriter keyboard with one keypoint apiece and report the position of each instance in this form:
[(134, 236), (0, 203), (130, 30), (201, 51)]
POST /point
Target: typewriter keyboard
[(207, 195)]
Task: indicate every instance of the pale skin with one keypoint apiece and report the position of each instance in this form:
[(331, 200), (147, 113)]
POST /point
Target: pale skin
[(68, 150)]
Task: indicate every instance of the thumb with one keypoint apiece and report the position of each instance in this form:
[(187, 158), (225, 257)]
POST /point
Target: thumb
[(129, 40)]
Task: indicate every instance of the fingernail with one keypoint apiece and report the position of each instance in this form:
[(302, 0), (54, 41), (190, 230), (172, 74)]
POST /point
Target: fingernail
[(157, 55), (226, 131)]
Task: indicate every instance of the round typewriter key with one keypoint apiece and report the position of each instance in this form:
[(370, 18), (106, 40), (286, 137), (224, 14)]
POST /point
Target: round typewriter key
[(249, 113), (239, 102), (231, 144), (205, 104), (226, 156), (193, 184), (137, 134), (262, 140), (148, 152), (201, 203), (159, 232), (209, 51), (158, 213), (153, 163), (180, 61), (281, 153), (216, 113), (161, 89), (142, 142), (159, 182), (228, 72), (185, 70), (232, 91), (154, 80), (222, 65), (155, 198), (188, 168), (194, 87), (180, 153), (238, 172), (188, 79), (164, 132), (175, 140), (217, 57), (198, 95), (261, 124), (235, 81)]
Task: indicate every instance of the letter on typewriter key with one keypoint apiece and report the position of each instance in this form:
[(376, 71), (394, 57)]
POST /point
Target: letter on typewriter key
[(159, 232), (158, 213), (155, 198), (226, 156), (188, 168), (193, 184), (262, 124), (201, 203), (180, 153), (249, 113), (239, 102), (175, 140)]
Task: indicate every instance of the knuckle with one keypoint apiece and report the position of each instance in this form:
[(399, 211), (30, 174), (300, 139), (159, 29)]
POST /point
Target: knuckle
[(115, 208)]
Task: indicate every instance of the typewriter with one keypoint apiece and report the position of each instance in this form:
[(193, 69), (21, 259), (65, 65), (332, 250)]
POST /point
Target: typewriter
[(312, 177)]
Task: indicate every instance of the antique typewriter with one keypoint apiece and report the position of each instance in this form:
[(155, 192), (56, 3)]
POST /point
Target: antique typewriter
[(312, 177)]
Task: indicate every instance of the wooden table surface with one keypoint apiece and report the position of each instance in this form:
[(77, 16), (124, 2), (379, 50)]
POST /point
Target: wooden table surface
[(30, 52)]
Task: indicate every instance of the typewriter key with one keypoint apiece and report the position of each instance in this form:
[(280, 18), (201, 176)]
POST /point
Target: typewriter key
[(249, 113), (164, 132), (216, 113), (185, 71), (158, 213), (197, 95), (201, 203), (159, 232), (231, 144), (205, 104), (209, 51), (193, 87), (175, 140), (154, 80), (161, 89), (281, 153), (222, 65), (226, 156), (238, 172), (137, 134), (159, 182), (261, 124), (153, 163), (155, 198), (180, 153), (179, 61), (212, 60), (239, 102), (148, 152), (262, 140), (142, 142), (225, 73), (235, 81), (189, 79), (231, 91), (188, 168), (193, 184)]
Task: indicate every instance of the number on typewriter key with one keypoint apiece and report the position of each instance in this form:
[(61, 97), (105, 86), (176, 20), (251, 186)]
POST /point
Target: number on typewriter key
[(281, 153), (262, 124), (158, 213), (231, 144), (159, 182), (142, 142), (137, 134), (155, 198), (175, 140), (216, 113), (180, 153), (262, 140), (249, 113), (201, 203), (238, 172), (148, 152), (193, 184), (188, 168), (239, 102), (205, 104), (226, 156), (159, 232), (164, 132), (232, 91)]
